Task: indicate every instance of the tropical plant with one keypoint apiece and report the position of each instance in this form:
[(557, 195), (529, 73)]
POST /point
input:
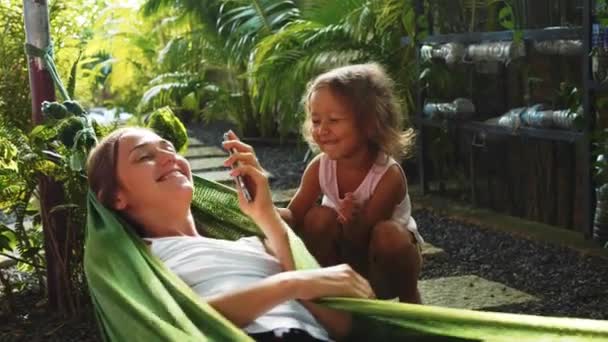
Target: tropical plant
[(164, 122), (56, 150), (121, 56), (257, 56), (25, 166), (330, 35), (69, 36), (15, 104), (222, 34), (20, 162)]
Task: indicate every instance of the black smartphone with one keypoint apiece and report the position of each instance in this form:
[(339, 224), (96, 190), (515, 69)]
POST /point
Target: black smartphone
[(239, 179)]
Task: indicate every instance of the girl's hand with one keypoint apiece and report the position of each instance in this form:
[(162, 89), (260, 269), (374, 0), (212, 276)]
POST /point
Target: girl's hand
[(348, 209), (335, 281)]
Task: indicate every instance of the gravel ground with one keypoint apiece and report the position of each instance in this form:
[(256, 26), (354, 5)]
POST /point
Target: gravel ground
[(567, 283)]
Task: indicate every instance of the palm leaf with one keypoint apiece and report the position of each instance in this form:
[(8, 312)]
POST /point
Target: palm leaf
[(245, 25), (165, 94), (328, 12), (72, 80)]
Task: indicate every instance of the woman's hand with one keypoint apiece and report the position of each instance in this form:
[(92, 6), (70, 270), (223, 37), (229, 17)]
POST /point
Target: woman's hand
[(261, 206), (245, 164), (335, 281)]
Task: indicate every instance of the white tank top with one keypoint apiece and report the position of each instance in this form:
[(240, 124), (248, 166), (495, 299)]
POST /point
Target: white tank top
[(212, 266), (331, 195)]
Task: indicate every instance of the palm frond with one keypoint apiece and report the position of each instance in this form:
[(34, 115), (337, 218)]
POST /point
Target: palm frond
[(389, 14), (205, 10), (166, 94), (245, 25), (328, 12)]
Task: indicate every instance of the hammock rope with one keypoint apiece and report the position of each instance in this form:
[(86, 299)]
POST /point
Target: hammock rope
[(46, 55)]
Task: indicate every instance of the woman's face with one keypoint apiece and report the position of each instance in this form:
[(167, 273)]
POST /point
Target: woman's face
[(151, 175)]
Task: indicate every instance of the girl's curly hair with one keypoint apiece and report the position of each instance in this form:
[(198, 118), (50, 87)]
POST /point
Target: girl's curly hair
[(369, 91)]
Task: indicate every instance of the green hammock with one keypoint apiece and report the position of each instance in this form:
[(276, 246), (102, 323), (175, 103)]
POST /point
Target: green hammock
[(137, 298)]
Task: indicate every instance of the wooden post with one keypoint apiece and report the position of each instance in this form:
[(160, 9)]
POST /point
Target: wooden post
[(57, 251), (37, 32)]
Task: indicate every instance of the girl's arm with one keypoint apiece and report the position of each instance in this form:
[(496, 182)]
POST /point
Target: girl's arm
[(244, 305), (306, 196)]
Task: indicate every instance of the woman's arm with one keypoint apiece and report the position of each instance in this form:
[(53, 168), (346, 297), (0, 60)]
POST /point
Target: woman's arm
[(309, 284), (243, 306), (277, 240), (261, 209)]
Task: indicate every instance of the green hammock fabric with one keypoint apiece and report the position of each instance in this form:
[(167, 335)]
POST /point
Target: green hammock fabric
[(137, 299)]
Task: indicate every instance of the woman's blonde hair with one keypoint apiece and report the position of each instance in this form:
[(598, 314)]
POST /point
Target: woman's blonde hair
[(369, 92)]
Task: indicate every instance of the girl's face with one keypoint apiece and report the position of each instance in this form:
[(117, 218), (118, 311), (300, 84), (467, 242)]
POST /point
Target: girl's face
[(151, 175), (334, 125)]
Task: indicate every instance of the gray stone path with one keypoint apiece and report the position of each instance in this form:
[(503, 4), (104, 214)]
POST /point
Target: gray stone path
[(207, 164), (469, 292), (204, 152), (465, 292)]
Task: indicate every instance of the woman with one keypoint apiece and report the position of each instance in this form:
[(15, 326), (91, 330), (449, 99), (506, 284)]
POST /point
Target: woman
[(139, 174)]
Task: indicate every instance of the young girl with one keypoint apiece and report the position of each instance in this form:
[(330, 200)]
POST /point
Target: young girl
[(364, 219)]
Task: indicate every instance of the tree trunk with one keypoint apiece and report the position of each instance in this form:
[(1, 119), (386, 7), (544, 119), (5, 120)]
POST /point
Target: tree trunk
[(60, 296)]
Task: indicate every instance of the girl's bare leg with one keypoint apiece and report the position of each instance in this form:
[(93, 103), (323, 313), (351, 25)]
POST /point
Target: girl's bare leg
[(320, 232), (394, 262)]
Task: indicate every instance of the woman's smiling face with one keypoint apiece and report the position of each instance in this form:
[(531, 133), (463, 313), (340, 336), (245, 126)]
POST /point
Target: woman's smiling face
[(151, 175)]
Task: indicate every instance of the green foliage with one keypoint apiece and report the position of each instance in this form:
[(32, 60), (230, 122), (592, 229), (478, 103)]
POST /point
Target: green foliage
[(20, 164), (177, 90), (363, 31), (69, 128), (54, 110), (15, 104), (56, 149), (247, 61), (164, 122), (121, 56), (68, 35)]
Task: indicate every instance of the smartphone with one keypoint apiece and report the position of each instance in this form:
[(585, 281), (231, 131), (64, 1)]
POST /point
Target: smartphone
[(239, 179)]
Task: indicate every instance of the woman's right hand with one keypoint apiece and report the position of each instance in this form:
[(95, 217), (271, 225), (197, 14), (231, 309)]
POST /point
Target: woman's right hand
[(261, 207), (334, 281), (245, 163)]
